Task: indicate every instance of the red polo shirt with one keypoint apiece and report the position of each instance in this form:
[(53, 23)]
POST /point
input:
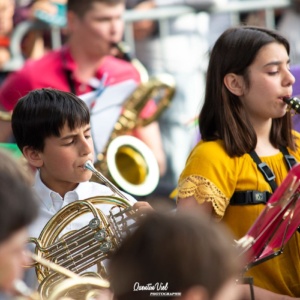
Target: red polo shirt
[(50, 71)]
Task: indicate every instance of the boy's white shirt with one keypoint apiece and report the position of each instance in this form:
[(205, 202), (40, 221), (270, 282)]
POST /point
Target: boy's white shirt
[(51, 202)]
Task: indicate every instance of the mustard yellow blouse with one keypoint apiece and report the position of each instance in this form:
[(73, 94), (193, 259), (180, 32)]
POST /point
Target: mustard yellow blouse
[(211, 175)]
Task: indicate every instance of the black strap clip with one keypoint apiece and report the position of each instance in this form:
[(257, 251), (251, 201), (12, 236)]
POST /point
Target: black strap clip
[(267, 172), (250, 197), (290, 160)]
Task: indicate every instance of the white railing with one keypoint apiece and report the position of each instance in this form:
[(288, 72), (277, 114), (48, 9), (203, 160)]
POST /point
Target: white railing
[(234, 8), (161, 14)]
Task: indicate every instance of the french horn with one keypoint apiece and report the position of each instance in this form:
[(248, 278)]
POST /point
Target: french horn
[(109, 219), (70, 283), (126, 160)]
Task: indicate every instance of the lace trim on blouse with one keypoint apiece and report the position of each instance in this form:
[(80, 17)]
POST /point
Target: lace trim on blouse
[(203, 190)]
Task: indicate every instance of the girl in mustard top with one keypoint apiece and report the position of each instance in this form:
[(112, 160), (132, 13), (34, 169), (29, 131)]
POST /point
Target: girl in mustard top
[(248, 77)]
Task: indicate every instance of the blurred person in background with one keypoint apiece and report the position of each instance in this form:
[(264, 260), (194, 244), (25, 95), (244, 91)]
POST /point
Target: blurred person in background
[(94, 27), (19, 208), (176, 256), (7, 8)]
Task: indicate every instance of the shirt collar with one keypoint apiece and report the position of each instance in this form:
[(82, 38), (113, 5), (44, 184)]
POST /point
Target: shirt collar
[(70, 64), (49, 197), (81, 190), (42, 190)]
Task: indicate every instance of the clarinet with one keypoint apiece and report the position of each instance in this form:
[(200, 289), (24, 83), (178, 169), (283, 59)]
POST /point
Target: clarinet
[(293, 103)]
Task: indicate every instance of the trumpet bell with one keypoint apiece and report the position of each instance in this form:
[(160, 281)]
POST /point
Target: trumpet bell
[(132, 165)]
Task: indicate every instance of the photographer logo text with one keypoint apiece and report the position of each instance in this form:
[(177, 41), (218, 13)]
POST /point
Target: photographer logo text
[(158, 289)]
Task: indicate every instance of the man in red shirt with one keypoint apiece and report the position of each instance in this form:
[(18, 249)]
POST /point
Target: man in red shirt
[(94, 26)]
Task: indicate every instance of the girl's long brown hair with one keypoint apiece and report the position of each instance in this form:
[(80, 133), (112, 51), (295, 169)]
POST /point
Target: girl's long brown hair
[(223, 115)]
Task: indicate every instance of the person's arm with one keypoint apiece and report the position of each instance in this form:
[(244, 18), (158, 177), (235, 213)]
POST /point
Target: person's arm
[(142, 207), (4, 56), (190, 203)]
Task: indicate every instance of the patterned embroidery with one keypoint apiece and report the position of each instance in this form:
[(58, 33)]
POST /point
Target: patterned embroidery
[(203, 190)]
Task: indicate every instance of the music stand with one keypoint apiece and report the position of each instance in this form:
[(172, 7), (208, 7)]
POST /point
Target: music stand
[(275, 225)]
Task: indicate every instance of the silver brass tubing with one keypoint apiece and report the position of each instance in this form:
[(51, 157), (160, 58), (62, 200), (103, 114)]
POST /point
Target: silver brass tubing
[(89, 166)]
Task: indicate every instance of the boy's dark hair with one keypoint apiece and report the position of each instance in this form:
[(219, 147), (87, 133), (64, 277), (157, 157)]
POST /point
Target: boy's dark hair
[(19, 207), (43, 113), (80, 7), (223, 115), (183, 250)]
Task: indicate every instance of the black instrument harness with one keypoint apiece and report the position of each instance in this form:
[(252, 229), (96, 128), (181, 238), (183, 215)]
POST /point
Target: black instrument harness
[(256, 197)]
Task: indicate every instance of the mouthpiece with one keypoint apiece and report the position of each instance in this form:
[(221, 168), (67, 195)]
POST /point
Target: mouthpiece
[(293, 103), (89, 166), (124, 50)]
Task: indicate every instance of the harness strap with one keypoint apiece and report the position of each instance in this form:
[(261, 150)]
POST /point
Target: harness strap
[(289, 159), (256, 197), (265, 170), (250, 197)]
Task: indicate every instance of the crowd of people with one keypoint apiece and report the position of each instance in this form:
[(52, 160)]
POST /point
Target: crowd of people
[(223, 182)]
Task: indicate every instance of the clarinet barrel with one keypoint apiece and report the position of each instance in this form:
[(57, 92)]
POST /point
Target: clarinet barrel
[(293, 103)]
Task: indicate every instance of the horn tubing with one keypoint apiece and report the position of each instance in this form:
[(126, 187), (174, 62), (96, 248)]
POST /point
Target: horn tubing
[(88, 165), (53, 266), (79, 250), (60, 245)]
